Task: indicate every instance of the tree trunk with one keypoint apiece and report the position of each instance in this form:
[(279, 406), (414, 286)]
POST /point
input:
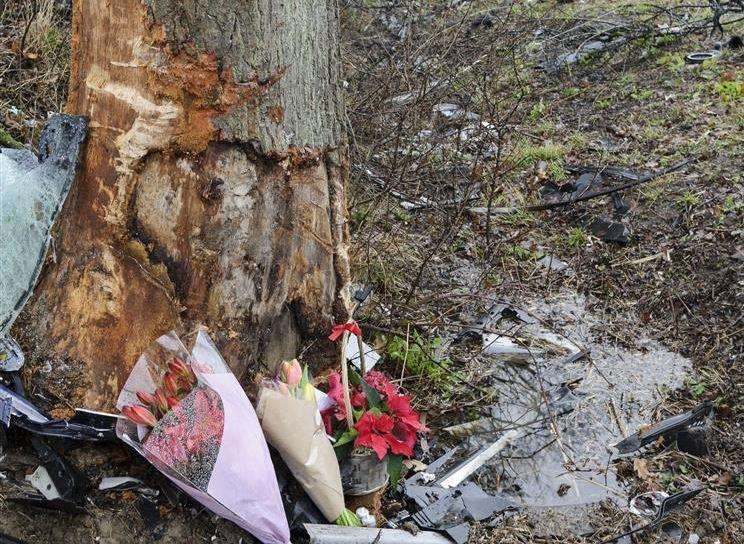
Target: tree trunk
[(211, 190)]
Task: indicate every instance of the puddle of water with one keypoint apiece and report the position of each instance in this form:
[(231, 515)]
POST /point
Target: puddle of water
[(563, 457)]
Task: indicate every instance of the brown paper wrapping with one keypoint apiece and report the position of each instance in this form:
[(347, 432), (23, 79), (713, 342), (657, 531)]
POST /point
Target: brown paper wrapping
[(294, 428)]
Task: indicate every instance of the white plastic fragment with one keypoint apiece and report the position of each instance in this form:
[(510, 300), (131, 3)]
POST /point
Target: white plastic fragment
[(467, 468), (43, 483), (370, 355), (336, 534), (119, 483), (496, 344)]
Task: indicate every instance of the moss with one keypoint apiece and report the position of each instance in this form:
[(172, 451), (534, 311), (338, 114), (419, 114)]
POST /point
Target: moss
[(6, 140)]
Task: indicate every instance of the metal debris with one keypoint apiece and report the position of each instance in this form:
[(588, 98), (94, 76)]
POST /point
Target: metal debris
[(645, 503)]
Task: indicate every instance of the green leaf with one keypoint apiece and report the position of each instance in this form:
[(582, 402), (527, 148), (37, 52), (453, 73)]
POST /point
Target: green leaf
[(349, 435), (394, 468)]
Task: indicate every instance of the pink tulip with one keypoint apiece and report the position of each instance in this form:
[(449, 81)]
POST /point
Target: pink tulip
[(146, 398), (170, 382), (139, 415), (161, 402), (291, 373), (181, 369)]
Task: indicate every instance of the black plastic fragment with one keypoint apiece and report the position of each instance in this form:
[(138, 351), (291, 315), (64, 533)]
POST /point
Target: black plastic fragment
[(610, 231), (28, 416), (620, 205), (696, 419), (70, 483), (668, 505), (449, 510)]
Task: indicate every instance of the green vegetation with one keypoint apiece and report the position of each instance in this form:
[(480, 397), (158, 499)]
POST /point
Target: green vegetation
[(577, 238), (417, 355)]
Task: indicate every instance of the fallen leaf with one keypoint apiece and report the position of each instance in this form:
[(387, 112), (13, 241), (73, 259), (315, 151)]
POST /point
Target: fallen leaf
[(640, 467)]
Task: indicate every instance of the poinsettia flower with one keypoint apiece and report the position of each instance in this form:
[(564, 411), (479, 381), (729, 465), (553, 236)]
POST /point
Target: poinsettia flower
[(401, 439), (400, 409), (372, 430)]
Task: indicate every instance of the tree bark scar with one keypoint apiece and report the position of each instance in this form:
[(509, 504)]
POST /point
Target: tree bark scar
[(212, 187)]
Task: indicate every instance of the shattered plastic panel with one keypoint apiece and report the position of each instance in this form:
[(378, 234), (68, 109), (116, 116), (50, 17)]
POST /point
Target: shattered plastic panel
[(31, 195)]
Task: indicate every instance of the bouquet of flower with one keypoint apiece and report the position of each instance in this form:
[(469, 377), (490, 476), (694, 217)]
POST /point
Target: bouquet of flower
[(291, 423), (382, 417), (189, 417)]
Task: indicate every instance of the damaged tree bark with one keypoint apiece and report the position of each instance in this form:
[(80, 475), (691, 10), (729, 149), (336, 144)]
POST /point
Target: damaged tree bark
[(212, 188)]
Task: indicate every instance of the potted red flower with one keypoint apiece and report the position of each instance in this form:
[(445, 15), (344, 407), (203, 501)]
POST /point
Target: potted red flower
[(383, 430)]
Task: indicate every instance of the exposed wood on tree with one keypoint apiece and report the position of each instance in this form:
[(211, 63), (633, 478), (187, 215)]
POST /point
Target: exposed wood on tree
[(212, 189)]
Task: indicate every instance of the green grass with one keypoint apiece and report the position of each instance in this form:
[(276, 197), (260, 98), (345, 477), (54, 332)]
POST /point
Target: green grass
[(730, 91), (576, 238)]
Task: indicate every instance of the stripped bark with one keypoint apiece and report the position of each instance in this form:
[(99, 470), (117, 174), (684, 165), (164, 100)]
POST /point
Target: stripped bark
[(212, 188)]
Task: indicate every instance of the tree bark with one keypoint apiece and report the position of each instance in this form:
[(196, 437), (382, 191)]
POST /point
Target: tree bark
[(211, 190)]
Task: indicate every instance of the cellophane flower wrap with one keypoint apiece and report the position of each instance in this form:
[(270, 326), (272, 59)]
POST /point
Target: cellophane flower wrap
[(210, 444), (292, 424)]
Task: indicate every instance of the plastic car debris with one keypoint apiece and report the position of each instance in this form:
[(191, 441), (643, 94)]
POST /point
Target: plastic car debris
[(336, 534), (558, 199), (60, 486), (11, 355), (43, 483), (669, 429), (610, 231), (646, 505), (448, 509), (620, 205), (495, 313), (32, 193), (26, 415), (700, 57), (126, 483), (665, 506), (453, 512)]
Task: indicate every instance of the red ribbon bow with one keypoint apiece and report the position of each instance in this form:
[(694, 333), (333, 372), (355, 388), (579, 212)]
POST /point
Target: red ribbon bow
[(338, 330)]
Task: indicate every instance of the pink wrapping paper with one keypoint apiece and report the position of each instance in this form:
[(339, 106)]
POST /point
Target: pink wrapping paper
[(211, 445)]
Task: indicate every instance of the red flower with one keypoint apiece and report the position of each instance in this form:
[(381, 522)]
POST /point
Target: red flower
[(336, 392), (373, 431), (379, 381), (146, 398), (170, 382), (139, 414), (400, 408), (358, 399), (183, 371), (401, 439)]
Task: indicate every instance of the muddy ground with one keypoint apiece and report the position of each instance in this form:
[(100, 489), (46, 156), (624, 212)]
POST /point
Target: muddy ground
[(459, 113)]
